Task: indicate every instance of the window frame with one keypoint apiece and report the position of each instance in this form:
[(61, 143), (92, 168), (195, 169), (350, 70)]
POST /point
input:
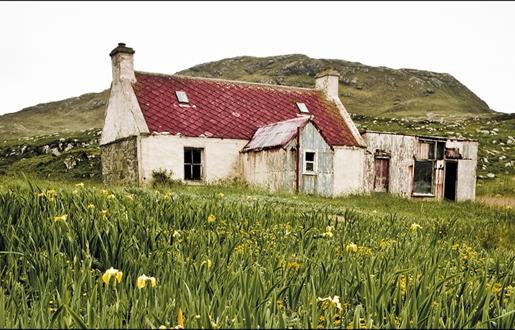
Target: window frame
[(314, 161), (418, 193), (193, 163)]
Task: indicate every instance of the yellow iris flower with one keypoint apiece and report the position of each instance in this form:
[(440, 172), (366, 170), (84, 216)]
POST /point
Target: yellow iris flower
[(142, 281), (111, 272), (351, 247), (60, 218), (415, 226)]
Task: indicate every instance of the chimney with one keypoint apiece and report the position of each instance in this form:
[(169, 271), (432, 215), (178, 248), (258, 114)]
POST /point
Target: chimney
[(123, 63), (327, 81)]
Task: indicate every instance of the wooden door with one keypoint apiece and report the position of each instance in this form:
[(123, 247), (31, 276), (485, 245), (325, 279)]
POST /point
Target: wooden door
[(382, 167)]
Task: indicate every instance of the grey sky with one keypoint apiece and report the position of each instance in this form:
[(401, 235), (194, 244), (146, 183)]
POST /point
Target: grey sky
[(54, 50)]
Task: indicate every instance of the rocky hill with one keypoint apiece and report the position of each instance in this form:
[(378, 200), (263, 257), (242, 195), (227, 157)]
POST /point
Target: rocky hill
[(365, 90)]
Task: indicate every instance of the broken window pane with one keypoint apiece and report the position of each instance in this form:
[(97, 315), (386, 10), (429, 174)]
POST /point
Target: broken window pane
[(440, 150), (192, 164), (423, 177), (309, 161)]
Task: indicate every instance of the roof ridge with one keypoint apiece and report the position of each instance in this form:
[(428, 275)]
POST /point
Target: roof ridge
[(227, 81)]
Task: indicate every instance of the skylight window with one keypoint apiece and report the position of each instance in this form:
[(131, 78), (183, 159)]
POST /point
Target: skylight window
[(182, 97), (302, 107)]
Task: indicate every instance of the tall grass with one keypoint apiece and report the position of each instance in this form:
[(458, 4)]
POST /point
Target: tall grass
[(261, 261)]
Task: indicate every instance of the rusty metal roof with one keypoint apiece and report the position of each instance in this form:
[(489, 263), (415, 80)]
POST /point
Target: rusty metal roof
[(275, 134)]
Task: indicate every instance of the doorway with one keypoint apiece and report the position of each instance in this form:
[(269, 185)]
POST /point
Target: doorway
[(451, 171), (382, 168)]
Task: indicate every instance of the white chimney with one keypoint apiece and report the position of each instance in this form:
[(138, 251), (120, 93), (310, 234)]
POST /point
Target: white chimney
[(327, 81), (123, 63)]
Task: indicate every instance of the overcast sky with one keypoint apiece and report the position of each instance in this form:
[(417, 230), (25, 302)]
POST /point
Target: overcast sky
[(54, 50)]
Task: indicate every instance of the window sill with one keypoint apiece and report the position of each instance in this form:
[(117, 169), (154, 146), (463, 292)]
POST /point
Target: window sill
[(422, 195), (309, 173)]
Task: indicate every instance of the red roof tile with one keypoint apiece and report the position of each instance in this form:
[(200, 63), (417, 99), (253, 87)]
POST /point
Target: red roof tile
[(230, 109)]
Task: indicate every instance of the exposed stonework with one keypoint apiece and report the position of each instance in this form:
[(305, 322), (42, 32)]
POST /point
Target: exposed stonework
[(120, 162)]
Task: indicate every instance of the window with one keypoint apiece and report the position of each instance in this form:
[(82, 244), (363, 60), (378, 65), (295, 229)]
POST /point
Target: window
[(302, 107), (310, 163), (182, 97), (423, 177), (192, 164)]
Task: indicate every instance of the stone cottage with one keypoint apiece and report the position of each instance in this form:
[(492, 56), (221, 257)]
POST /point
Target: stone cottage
[(278, 137)]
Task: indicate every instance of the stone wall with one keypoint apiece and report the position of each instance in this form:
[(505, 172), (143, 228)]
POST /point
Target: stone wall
[(120, 162)]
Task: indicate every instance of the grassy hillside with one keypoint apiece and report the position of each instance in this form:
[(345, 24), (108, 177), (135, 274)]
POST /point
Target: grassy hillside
[(366, 90), (69, 115)]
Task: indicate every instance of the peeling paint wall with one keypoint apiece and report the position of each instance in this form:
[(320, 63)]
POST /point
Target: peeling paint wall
[(123, 116), (322, 181), (349, 168), (220, 157), (402, 149), (273, 169), (120, 162)]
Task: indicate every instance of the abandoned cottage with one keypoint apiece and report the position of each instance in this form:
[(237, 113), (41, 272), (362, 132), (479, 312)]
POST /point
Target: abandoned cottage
[(278, 137)]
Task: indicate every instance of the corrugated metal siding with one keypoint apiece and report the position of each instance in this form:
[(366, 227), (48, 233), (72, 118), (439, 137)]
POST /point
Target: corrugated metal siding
[(276, 134), (466, 186), (322, 182), (273, 169), (402, 149)]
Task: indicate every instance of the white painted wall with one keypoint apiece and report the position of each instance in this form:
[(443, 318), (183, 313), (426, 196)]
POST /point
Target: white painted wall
[(349, 166), (220, 157), (123, 117)]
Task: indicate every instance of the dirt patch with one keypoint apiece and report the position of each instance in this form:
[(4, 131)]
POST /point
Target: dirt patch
[(497, 201)]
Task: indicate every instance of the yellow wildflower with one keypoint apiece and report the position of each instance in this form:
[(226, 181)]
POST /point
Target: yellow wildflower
[(80, 185), (163, 327), (142, 281), (221, 195), (90, 206), (209, 263), (60, 218), (415, 226), (293, 265), (351, 248), (211, 218), (41, 194), (331, 302), (111, 272), (111, 196), (105, 192), (328, 232), (103, 212), (75, 191), (176, 234)]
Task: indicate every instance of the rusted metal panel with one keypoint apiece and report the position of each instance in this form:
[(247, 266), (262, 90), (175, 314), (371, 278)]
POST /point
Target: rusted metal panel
[(382, 167), (402, 150), (321, 182), (439, 179), (276, 134), (466, 185), (273, 169)]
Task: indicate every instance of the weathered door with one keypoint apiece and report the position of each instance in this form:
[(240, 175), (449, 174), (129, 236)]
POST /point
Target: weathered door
[(382, 167), (466, 187)]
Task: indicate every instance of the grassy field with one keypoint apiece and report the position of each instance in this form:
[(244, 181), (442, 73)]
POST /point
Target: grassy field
[(232, 257)]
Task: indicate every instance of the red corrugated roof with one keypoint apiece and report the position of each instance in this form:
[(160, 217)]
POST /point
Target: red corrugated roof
[(230, 109)]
